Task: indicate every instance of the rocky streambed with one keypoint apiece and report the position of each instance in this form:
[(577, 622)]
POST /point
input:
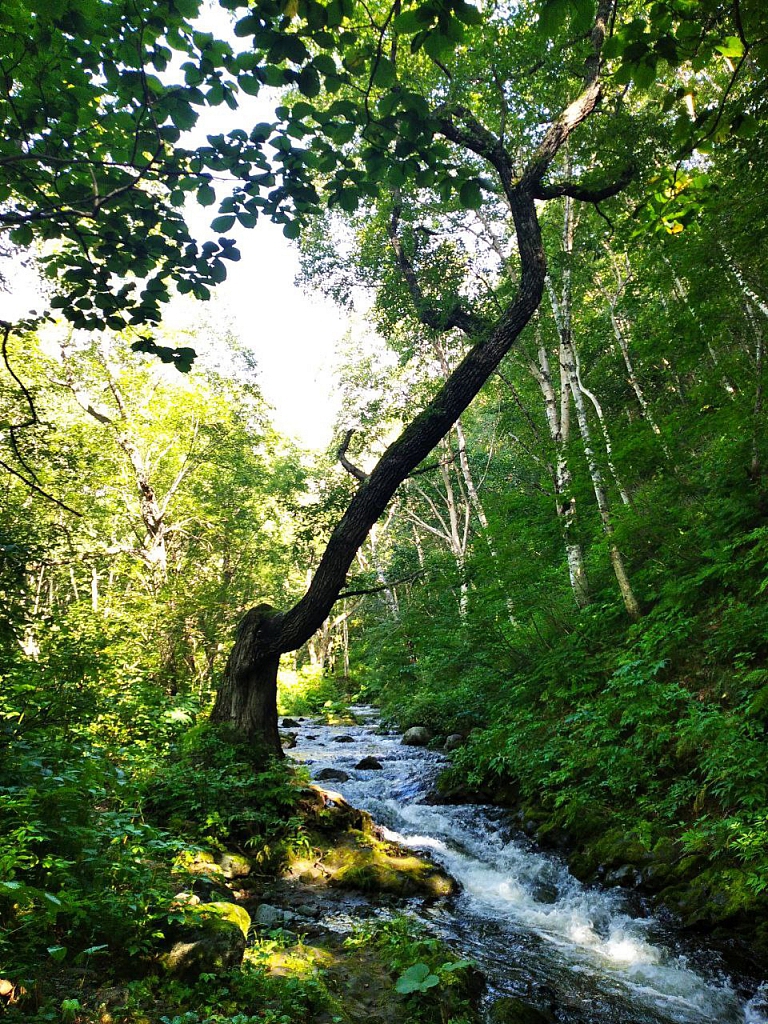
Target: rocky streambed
[(545, 941)]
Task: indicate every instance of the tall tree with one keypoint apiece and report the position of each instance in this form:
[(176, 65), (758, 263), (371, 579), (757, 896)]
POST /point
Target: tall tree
[(247, 696)]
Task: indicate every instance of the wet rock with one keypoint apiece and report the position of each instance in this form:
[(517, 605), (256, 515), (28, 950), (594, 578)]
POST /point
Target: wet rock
[(306, 910), (626, 875), (416, 736), (211, 941), (289, 723), (510, 1010), (454, 741), (288, 740), (269, 916), (344, 739), (369, 764), (332, 775), (655, 876)]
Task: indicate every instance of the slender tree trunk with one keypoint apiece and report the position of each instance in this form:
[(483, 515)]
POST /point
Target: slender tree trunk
[(558, 421), (470, 487), (598, 486), (569, 361), (758, 425)]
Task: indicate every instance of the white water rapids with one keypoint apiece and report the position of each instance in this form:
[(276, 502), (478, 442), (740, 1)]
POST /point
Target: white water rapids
[(534, 930)]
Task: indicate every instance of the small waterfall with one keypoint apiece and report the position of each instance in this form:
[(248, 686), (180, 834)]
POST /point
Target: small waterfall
[(534, 929)]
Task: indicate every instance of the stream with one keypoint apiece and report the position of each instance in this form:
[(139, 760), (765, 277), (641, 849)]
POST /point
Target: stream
[(589, 955)]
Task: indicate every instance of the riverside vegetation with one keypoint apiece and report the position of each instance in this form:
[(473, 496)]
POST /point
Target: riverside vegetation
[(554, 218)]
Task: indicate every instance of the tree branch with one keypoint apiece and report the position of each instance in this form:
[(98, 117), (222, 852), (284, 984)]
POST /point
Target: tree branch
[(584, 193), (341, 454)]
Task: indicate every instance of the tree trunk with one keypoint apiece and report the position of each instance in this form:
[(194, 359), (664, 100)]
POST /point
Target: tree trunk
[(247, 696), (559, 423), (248, 691), (570, 365)]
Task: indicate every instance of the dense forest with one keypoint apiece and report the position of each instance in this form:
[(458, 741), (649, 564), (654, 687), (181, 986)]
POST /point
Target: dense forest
[(540, 535)]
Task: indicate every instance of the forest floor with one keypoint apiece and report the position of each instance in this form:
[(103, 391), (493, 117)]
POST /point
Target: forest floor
[(328, 941)]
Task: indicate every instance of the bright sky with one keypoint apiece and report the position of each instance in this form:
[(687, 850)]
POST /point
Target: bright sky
[(293, 335)]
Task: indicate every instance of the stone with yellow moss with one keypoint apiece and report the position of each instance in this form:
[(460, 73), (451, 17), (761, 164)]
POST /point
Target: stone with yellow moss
[(211, 940)]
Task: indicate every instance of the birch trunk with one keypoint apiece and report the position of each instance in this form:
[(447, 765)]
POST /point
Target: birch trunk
[(471, 489), (562, 310)]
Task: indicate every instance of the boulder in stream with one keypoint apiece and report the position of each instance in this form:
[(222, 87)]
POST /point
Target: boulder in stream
[(268, 916), (509, 1010), (416, 736), (289, 723), (344, 739), (332, 775), (369, 764)]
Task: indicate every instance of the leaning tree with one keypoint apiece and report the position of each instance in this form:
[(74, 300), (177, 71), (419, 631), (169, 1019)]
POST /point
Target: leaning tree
[(387, 103)]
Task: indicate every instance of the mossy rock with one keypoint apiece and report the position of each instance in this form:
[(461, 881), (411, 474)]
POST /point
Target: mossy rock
[(328, 811), (510, 1010), (710, 898), (361, 861), (198, 862), (234, 865), (374, 866), (618, 847), (212, 940)]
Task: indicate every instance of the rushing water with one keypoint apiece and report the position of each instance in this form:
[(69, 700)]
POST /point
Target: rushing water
[(535, 931)]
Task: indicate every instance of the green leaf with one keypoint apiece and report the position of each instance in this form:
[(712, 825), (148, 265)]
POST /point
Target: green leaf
[(471, 195), (206, 195), (309, 82), (731, 47), (57, 952), (325, 64), (410, 22), (222, 224), (417, 978), (250, 84), (22, 235), (467, 13), (644, 74), (384, 72), (218, 271), (292, 229), (552, 17), (348, 200)]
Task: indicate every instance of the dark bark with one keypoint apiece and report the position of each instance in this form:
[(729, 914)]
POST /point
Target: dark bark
[(247, 697)]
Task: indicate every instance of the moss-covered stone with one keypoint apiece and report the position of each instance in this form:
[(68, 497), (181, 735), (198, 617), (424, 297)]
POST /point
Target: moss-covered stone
[(212, 939), (359, 860), (510, 1010)]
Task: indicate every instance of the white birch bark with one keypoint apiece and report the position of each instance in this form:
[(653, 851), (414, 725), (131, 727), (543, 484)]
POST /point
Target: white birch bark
[(569, 363), (558, 417), (471, 488)]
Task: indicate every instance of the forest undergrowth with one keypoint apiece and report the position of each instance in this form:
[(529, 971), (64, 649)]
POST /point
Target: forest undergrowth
[(637, 749)]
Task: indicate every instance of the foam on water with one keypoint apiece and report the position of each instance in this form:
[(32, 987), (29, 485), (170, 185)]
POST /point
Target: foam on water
[(522, 908)]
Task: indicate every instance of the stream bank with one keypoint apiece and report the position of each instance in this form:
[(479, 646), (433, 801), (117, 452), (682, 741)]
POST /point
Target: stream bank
[(580, 953)]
